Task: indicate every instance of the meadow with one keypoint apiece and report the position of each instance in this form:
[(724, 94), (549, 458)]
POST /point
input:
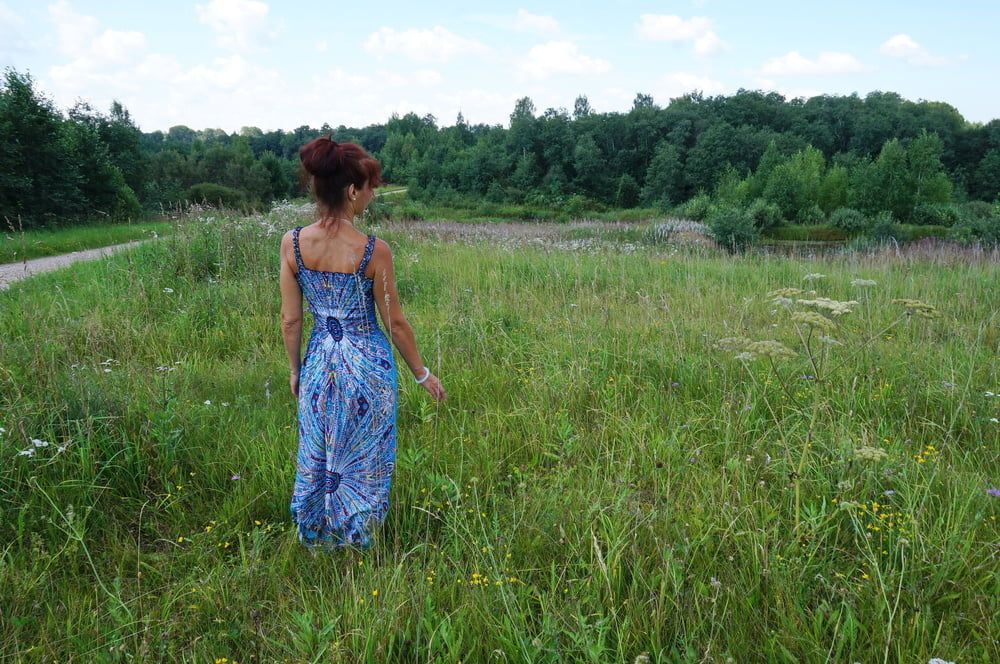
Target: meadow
[(651, 451)]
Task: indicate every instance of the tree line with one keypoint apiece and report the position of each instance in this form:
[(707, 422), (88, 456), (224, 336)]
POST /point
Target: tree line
[(781, 161)]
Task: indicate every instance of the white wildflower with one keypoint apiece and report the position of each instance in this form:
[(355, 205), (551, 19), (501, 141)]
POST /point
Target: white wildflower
[(28, 452), (862, 283), (994, 420), (835, 307), (868, 453), (39, 443), (813, 276), (813, 319), (208, 402), (168, 290), (107, 371), (2, 431)]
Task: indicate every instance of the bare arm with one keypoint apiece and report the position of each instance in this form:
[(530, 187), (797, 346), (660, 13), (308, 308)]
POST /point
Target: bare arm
[(291, 306), (400, 331)]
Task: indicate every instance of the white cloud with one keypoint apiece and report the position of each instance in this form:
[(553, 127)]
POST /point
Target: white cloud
[(11, 31), (680, 83), (239, 25), (435, 45), (906, 48), (81, 38), (527, 22), (828, 62), (696, 30), (560, 57), (322, 46)]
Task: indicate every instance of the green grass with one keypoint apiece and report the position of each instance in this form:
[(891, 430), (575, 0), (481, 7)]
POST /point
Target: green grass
[(18, 245), (622, 486)]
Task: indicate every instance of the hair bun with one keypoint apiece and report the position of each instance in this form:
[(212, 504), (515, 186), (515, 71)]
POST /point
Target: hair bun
[(322, 157)]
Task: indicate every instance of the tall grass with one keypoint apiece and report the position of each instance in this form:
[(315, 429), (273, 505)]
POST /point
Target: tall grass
[(602, 484), (17, 244)]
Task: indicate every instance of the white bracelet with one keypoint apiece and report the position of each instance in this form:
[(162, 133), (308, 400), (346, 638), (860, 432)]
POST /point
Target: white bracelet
[(427, 374)]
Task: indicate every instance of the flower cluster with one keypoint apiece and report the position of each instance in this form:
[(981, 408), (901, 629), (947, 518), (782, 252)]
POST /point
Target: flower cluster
[(926, 453), (835, 307), (813, 319), (919, 308), (868, 453), (747, 349)]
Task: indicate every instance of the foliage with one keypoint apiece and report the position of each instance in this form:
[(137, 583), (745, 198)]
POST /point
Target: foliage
[(733, 229), (765, 214), (849, 219)]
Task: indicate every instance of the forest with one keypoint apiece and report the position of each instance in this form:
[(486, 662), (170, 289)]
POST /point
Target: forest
[(751, 158)]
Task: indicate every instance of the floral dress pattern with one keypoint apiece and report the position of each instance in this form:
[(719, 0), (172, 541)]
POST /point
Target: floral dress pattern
[(346, 411)]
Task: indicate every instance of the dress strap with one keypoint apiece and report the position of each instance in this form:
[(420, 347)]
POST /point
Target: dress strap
[(369, 246), (295, 241)]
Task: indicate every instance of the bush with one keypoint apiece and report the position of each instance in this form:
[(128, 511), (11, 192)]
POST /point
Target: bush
[(126, 204), (765, 214), (935, 214), (411, 211), (697, 209), (576, 206), (216, 194), (977, 210), (849, 219), (733, 229), (884, 226), (811, 215), (972, 229)]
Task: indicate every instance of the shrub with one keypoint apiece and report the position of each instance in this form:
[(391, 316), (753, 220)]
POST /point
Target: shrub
[(216, 194), (884, 226), (733, 229), (576, 206), (935, 214), (849, 219), (971, 229), (765, 214), (977, 210), (811, 215), (126, 204), (697, 208), (411, 211)]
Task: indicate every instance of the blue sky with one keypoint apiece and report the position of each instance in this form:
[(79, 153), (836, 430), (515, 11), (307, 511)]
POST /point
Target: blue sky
[(235, 63)]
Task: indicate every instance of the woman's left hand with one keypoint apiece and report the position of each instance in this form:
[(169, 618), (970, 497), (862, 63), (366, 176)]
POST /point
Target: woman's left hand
[(294, 382)]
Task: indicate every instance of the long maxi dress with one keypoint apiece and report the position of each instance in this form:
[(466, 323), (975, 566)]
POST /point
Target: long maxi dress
[(346, 411)]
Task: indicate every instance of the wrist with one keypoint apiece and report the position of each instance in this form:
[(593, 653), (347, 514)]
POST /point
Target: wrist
[(425, 373)]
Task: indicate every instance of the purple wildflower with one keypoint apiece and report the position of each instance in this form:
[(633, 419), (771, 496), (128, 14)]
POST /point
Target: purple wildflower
[(235, 477), (993, 492)]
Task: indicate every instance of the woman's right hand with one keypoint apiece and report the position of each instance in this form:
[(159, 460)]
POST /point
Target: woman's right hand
[(434, 387)]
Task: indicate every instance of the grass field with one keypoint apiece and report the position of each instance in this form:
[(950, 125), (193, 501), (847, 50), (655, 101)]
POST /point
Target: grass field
[(621, 473), (19, 245)]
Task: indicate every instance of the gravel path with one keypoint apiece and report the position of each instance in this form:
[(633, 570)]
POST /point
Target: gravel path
[(11, 272)]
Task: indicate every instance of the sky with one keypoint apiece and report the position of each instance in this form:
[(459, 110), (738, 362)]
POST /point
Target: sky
[(233, 63)]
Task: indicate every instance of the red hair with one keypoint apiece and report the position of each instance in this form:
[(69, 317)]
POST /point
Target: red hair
[(332, 166)]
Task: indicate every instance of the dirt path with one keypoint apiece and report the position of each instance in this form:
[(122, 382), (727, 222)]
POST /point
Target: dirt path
[(11, 272)]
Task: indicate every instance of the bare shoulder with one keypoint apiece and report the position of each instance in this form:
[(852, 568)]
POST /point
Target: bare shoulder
[(381, 250)]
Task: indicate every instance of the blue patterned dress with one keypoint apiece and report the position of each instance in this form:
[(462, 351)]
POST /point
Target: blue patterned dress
[(346, 411)]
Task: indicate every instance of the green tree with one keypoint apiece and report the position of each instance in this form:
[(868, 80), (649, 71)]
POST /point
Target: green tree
[(664, 182)]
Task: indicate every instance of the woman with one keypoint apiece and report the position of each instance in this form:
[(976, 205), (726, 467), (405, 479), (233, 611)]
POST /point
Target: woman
[(346, 383)]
